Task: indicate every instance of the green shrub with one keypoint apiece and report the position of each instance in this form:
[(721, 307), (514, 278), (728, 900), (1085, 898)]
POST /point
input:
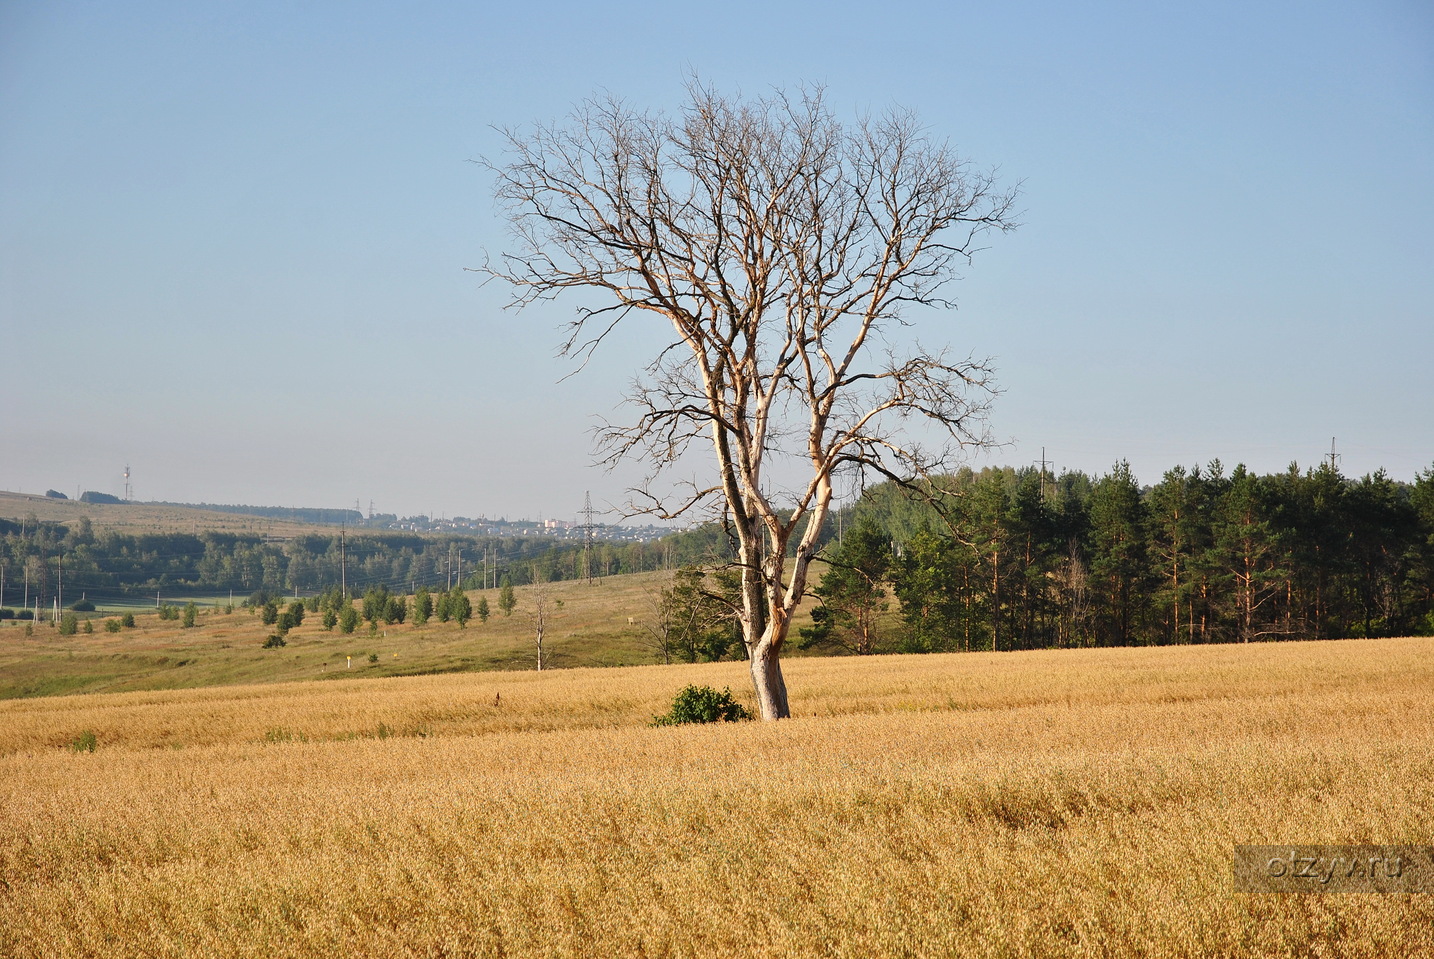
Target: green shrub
[(89, 627), (83, 606), (395, 610), (274, 642), (702, 704), (85, 742), (373, 657), (127, 620), (348, 619), (112, 625), (191, 612), (69, 624)]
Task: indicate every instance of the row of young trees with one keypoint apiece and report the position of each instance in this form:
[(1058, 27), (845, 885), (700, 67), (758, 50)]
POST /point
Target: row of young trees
[(376, 606), (1017, 559)]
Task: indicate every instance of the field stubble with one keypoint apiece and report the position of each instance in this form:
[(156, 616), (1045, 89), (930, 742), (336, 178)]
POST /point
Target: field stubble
[(1078, 803)]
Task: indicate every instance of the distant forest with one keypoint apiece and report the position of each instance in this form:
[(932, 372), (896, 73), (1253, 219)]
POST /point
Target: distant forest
[(1005, 559), (1015, 559)]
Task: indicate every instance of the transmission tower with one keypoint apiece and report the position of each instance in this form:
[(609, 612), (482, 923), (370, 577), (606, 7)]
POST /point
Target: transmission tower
[(1043, 463), (587, 527), (126, 483)]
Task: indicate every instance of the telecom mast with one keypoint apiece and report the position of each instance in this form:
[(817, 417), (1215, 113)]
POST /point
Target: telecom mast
[(126, 483)]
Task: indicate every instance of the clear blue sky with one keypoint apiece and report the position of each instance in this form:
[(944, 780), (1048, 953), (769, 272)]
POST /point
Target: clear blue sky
[(233, 236)]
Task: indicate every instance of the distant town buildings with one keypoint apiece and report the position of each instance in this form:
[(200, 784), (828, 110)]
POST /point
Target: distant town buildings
[(555, 528)]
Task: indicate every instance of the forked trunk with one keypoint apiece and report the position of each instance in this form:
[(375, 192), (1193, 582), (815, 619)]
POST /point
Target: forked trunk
[(767, 681)]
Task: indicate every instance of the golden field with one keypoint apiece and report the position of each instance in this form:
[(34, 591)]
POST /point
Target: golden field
[(1059, 803)]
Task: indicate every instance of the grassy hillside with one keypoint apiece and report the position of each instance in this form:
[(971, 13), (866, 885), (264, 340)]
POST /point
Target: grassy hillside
[(1077, 803), (143, 518), (602, 623)]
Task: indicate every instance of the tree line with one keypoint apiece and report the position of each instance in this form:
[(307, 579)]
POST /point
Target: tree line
[(1020, 559), (41, 561)]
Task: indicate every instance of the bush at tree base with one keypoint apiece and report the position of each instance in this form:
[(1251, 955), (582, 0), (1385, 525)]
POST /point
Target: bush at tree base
[(702, 704)]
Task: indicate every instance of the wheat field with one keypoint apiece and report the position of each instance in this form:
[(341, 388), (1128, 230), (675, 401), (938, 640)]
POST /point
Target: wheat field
[(1058, 803)]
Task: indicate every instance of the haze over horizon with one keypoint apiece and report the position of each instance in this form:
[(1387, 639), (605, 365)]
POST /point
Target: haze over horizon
[(235, 239)]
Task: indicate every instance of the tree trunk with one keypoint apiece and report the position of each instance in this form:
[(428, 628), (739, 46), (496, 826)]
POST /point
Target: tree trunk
[(767, 681)]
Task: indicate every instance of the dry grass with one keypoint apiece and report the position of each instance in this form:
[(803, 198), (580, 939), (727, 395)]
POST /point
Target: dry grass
[(1079, 803), (146, 518)]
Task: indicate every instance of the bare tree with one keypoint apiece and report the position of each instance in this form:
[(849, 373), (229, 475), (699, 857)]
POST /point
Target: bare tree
[(780, 246), (543, 607)]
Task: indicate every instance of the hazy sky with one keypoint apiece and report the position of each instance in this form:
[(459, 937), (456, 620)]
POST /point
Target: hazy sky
[(233, 236)]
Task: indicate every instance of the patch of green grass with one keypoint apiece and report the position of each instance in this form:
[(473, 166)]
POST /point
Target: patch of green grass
[(597, 625)]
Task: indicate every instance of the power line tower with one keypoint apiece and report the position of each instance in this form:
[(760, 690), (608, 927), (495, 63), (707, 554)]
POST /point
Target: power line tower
[(1334, 457), (127, 491), (587, 527), (1043, 463)]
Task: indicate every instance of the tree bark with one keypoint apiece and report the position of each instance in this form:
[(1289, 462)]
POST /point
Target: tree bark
[(767, 680)]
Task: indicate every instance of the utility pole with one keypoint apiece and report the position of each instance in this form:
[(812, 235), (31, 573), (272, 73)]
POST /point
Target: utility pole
[(1333, 456), (60, 580), (343, 567)]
